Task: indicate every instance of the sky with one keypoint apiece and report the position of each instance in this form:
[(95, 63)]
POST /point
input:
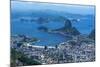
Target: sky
[(74, 9)]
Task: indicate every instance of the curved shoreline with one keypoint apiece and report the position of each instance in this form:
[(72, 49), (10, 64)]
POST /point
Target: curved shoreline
[(35, 46)]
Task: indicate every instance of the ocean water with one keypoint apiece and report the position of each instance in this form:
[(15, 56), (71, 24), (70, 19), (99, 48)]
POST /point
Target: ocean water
[(25, 14)]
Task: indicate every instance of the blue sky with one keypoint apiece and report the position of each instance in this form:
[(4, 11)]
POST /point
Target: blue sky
[(75, 9)]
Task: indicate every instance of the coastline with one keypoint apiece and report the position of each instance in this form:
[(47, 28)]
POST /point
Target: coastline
[(36, 46)]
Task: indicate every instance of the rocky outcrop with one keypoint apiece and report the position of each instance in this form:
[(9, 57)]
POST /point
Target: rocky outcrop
[(68, 28), (43, 28), (68, 24), (92, 35), (42, 20)]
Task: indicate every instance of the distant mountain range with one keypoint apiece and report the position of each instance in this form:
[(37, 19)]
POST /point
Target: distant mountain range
[(47, 14)]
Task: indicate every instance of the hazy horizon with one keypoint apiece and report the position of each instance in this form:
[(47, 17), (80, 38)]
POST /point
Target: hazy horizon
[(74, 9)]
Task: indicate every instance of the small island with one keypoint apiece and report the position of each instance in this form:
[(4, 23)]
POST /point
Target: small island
[(48, 33)]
